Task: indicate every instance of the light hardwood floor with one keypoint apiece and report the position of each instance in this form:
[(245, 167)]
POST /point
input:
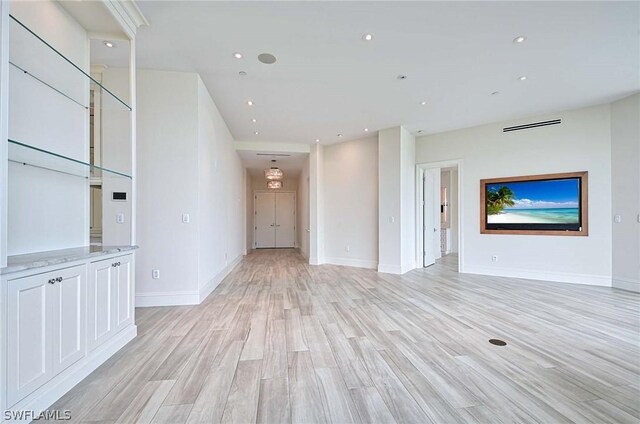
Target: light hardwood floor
[(282, 341)]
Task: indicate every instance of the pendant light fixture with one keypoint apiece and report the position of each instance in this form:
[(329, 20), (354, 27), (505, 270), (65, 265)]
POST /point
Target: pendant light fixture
[(274, 173), (274, 184)]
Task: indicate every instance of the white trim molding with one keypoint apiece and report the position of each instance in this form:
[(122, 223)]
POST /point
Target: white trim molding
[(192, 297), (559, 277), (356, 263), (625, 284), (207, 289)]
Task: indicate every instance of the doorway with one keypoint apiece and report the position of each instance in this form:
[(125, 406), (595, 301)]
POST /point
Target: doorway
[(439, 209), (274, 219)]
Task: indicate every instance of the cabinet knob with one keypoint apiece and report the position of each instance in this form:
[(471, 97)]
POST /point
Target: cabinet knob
[(52, 281), (59, 279)]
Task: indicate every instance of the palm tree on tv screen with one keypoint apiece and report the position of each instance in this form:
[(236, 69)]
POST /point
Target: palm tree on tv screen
[(497, 199)]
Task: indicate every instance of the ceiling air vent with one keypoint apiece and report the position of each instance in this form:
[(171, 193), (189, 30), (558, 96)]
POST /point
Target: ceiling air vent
[(273, 154), (532, 125)]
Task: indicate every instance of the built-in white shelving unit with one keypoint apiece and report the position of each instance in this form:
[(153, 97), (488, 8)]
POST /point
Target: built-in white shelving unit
[(66, 302)]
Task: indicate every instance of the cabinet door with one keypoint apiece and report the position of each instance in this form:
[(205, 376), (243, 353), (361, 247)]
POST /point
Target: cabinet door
[(29, 328), (124, 292), (68, 312), (101, 302)]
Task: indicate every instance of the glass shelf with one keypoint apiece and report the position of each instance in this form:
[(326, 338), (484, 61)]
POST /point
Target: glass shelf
[(40, 65), (27, 155)]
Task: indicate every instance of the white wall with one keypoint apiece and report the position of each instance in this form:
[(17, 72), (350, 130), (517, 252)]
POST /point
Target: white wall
[(303, 211), (47, 210), (625, 189), (350, 176), (396, 200), (221, 204), (453, 209), (580, 143), (186, 164)]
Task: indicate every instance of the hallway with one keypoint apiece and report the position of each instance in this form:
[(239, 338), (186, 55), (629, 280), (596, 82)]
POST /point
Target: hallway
[(282, 341)]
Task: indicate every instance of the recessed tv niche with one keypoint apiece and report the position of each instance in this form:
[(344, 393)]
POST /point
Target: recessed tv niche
[(551, 204)]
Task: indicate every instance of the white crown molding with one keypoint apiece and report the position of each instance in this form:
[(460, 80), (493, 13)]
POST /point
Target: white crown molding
[(128, 15)]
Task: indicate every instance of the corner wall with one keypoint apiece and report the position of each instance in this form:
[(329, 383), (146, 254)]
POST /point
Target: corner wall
[(350, 177), (581, 143), (186, 164), (625, 188)]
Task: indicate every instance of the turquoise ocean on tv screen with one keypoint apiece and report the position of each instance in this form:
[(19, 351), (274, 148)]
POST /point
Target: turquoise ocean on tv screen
[(549, 215)]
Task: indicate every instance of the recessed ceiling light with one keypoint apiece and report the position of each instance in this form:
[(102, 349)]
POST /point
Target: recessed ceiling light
[(256, 133), (401, 77), (242, 73), (109, 44), (317, 140), (366, 130), (339, 135), (423, 103), (367, 37), (420, 131), (254, 120), (520, 39), (237, 55), (249, 102), (522, 78), (495, 93)]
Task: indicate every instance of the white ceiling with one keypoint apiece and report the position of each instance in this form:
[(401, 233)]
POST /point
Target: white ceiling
[(257, 161), (327, 80)]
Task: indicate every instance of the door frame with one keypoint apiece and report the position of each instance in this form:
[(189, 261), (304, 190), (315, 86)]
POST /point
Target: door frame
[(420, 169), (295, 216)]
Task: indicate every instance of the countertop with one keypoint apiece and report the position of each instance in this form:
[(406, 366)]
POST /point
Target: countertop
[(55, 257)]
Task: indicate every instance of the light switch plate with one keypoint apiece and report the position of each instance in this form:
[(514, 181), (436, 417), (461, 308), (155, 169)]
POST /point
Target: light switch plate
[(617, 219), (120, 218)]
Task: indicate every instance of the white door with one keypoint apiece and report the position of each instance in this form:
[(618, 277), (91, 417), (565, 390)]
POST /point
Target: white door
[(285, 219), (265, 220), (101, 297), (29, 329), (68, 299), (431, 225), (124, 292)]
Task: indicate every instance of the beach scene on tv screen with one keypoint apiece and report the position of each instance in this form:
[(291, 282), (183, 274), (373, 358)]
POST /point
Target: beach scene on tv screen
[(534, 202)]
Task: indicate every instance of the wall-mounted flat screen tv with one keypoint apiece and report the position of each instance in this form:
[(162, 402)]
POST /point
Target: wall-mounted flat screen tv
[(552, 204)]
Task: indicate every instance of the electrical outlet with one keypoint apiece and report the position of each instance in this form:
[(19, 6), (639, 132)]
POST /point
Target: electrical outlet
[(186, 218), (120, 218), (617, 219), (392, 219), (494, 258), (155, 274), (347, 248)]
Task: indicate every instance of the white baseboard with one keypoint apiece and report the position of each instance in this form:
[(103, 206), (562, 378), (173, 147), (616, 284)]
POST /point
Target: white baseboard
[(168, 298), (178, 298), (626, 284), (390, 269), (215, 281), (560, 277), (357, 263), (50, 392)]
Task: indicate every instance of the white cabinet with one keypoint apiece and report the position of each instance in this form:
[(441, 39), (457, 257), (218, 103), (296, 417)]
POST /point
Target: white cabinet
[(45, 328), (110, 307), (124, 292)]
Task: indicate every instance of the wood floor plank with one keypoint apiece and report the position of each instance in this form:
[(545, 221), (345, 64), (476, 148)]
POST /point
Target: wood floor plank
[(282, 341)]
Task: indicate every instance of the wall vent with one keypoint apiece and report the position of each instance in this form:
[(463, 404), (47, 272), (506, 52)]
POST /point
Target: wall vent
[(532, 125), (273, 154)]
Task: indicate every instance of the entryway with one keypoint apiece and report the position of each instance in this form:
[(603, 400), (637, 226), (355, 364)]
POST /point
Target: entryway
[(274, 219), (438, 211)]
